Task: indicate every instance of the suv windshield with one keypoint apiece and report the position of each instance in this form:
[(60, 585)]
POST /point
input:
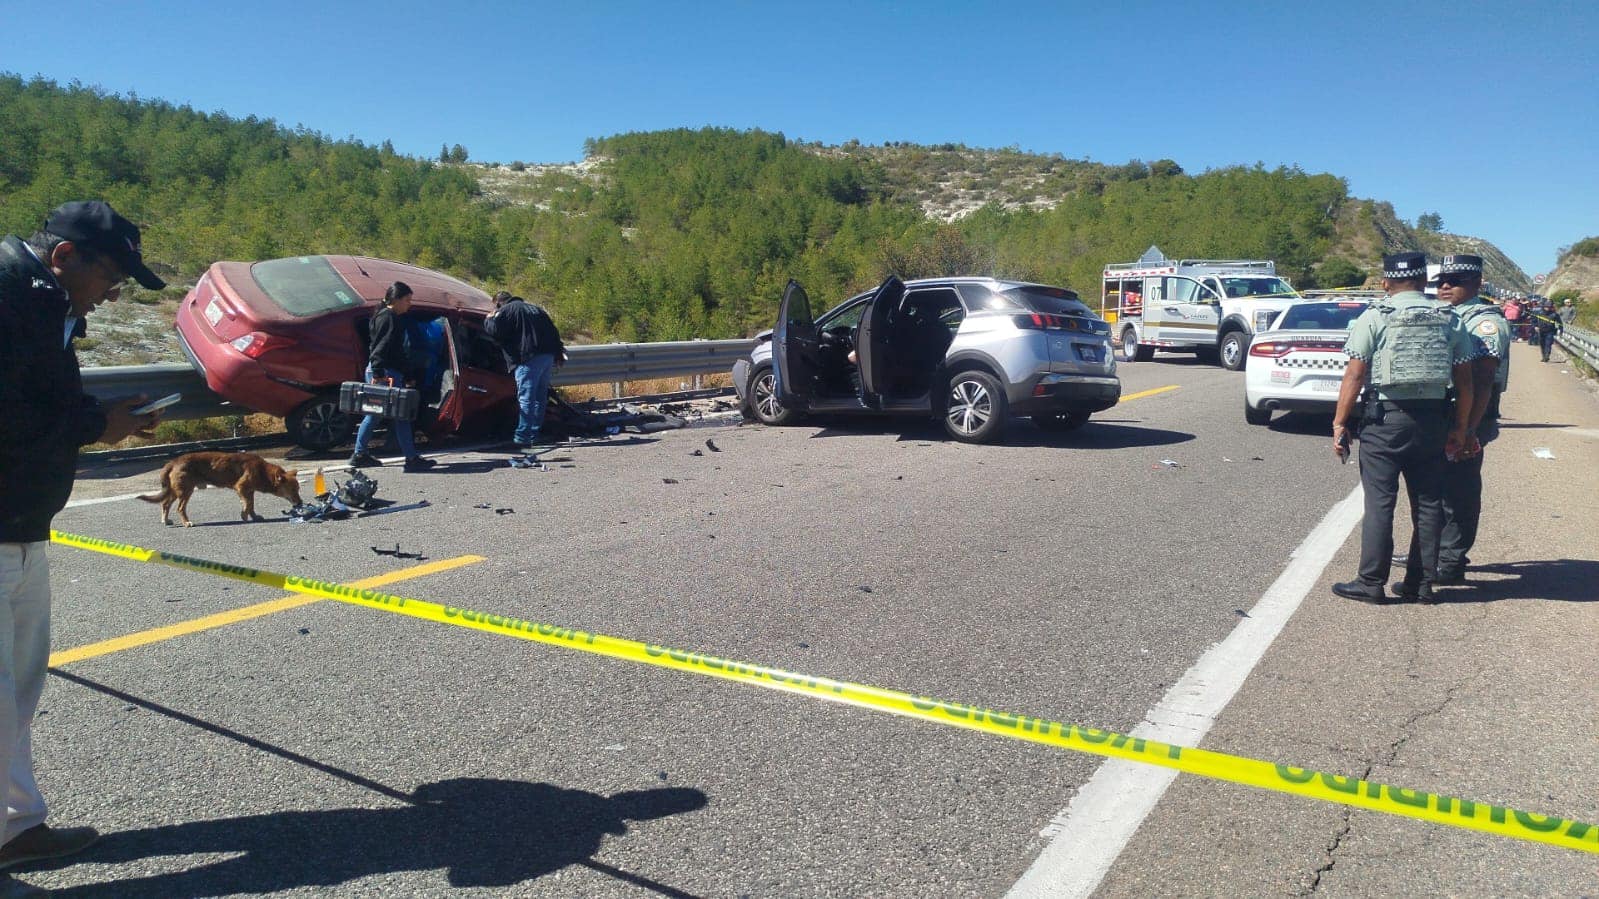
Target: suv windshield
[(1254, 287), (304, 285), (1047, 300)]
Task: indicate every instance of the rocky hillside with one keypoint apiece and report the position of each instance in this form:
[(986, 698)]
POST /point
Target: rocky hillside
[(1578, 270), (950, 181)]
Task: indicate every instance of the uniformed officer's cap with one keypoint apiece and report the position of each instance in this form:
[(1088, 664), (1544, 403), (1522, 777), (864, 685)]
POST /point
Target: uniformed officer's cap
[(1404, 266), (1461, 264)]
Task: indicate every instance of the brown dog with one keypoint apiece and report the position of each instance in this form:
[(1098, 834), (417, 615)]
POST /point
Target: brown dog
[(245, 472)]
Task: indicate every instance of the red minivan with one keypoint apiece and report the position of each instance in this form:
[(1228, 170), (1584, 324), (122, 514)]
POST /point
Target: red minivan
[(280, 336)]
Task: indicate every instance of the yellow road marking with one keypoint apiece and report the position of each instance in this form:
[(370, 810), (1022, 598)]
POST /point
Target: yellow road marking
[(1143, 393), (292, 601), (1253, 772)]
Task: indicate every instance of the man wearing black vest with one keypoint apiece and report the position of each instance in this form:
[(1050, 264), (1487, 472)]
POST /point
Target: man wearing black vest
[(532, 348)]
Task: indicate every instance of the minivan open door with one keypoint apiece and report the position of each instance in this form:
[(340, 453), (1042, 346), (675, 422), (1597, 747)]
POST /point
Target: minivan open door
[(871, 340), (795, 348)]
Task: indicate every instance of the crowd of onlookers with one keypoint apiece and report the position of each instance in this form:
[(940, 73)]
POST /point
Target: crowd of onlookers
[(1537, 319)]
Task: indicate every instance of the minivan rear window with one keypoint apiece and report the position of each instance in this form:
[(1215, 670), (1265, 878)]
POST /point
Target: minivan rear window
[(304, 285)]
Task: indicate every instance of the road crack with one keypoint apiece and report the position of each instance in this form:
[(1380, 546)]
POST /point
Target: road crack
[(1384, 758)]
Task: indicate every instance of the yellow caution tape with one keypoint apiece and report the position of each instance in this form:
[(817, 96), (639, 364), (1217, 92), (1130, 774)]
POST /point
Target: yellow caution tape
[(1220, 766)]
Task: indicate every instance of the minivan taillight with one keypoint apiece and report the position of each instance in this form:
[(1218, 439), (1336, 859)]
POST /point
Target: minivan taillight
[(255, 343)]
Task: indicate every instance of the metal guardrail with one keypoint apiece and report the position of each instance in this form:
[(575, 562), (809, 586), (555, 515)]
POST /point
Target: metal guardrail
[(156, 381), (1582, 344), (608, 363)]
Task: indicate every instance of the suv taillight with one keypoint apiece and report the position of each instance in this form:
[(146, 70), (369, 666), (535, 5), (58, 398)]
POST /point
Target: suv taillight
[(255, 343), (1044, 321)]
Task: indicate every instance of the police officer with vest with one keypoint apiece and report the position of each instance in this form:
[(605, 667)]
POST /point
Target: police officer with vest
[(1405, 351), (1459, 283)]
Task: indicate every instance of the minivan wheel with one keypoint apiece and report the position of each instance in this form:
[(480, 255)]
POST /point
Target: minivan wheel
[(1131, 351), (1234, 350), (318, 424), (1058, 422), (763, 399), (975, 407)]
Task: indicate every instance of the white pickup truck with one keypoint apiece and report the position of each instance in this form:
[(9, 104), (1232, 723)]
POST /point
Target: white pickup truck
[(1211, 307)]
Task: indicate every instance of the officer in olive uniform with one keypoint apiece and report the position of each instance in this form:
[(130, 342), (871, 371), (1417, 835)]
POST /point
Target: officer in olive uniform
[(1406, 350), (1459, 283)]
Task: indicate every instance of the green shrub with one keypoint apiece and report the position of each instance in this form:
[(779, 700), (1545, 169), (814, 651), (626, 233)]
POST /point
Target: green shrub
[(1588, 246), (1339, 272)]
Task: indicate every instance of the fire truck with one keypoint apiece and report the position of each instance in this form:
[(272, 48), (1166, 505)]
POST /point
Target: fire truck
[(1211, 307)]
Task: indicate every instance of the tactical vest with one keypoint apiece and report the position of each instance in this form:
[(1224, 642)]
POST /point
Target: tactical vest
[(1468, 318), (1414, 350)]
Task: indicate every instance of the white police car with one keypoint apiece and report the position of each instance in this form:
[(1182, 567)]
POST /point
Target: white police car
[(1298, 363)]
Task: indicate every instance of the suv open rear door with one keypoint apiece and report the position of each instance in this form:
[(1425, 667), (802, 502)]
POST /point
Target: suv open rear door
[(795, 349), (871, 341)]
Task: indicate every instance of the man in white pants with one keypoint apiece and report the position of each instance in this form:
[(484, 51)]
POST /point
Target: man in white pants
[(48, 283)]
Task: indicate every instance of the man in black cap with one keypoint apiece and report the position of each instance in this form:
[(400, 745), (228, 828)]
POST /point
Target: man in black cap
[(1406, 351), (48, 283), (1460, 285)]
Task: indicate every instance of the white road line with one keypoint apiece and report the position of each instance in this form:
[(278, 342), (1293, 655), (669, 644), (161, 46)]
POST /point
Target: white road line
[(1084, 840)]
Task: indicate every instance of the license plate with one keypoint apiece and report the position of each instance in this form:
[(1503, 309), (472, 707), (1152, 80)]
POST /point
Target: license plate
[(1325, 386), (213, 312), (1088, 353)]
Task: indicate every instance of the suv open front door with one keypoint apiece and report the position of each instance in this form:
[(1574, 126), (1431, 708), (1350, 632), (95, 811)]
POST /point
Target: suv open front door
[(871, 341), (795, 347)]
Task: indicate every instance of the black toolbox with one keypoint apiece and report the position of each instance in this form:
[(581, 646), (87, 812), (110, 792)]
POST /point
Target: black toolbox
[(379, 399)]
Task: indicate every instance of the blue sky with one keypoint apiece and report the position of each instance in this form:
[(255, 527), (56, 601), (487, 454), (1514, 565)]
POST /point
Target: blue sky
[(1487, 113)]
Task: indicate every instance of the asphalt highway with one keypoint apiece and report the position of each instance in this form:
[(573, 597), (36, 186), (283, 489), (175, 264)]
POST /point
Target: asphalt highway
[(328, 749)]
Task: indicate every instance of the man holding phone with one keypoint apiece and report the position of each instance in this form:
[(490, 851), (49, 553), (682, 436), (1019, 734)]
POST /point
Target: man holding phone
[(48, 285)]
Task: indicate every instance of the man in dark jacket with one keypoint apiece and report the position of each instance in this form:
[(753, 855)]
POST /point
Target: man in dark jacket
[(388, 361), (48, 283), (1546, 324), (532, 348)]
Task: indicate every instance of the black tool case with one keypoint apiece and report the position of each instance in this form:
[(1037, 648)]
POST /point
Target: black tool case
[(379, 399)]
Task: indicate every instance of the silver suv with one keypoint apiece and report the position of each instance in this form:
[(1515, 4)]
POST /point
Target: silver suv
[(970, 351)]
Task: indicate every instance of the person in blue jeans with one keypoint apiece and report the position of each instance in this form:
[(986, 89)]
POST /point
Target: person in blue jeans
[(387, 361), (533, 349)]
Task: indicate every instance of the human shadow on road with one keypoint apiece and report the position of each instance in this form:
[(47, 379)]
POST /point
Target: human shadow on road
[(484, 832), (1316, 423), (1552, 580)]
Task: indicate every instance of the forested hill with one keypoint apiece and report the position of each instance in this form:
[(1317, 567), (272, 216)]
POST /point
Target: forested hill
[(660, 235)]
